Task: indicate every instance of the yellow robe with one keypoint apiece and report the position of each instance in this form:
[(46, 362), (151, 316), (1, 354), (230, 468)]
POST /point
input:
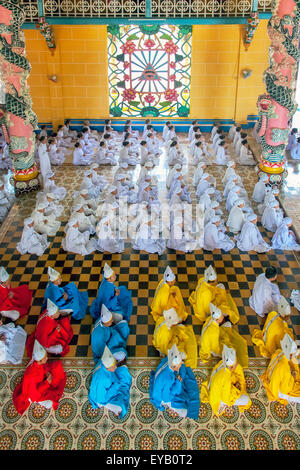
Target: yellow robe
[(268, 339), (164, 300), (213, 337), (278, 377), (182, 336), (222, 386), (206, 294)]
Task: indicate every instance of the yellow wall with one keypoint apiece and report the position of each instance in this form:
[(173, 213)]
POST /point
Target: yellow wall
[(218, 55), (80, 63)]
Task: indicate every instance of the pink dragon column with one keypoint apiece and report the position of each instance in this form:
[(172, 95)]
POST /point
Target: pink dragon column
[(17, 119), (277, 106)]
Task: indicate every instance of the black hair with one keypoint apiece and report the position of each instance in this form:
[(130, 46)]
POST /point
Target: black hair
[(54, 134), (126, 128), (84, 130), (194, 122), (198, 144), (107, 128), (102, 143), (197, 136), (168, 123), (43, 126), (173, 144), (222, 137), (50, 141), (150, 134), (77, 144), (106, 136), (128, 121), (271, 272), (42, 138), (222, 143), (125, 143), (219, 131), (143, 142), (126, 135), (107, 121), (196, 128), (147, 121), (294, 130), (298, 140), (149, 126), (67, 121), (80, 134), (243, 135), (238, 129), (59, 127), (244, 142)]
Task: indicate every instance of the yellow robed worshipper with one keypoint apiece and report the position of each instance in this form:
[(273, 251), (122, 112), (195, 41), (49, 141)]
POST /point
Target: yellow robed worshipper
[(208, 291), (275, 328), (168, 332), (166, 296), (215, 333), (226, 385), (282, 377)]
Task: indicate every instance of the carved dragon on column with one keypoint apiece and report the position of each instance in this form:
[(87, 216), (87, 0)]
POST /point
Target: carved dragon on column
[(277, 106), (17, 119)]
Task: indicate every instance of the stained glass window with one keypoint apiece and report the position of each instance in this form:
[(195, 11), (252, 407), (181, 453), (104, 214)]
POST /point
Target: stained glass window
[(149, 70)]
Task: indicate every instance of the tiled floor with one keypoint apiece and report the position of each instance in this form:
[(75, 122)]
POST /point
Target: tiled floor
[(140, 272)]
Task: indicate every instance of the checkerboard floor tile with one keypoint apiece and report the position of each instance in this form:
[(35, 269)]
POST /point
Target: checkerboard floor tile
[(140, 272)]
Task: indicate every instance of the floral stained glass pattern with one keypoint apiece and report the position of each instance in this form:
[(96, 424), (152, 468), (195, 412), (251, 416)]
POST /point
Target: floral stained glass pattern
[(149, 70)]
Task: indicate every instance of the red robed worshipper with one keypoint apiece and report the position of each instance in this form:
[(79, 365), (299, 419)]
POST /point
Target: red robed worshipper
[(52, 332), (14, 301), (43, 382)]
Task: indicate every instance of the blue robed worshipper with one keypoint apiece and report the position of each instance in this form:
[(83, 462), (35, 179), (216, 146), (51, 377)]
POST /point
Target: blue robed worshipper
[(116, 299), (173, 385), (111, 331), (110, 385), (68, 298)]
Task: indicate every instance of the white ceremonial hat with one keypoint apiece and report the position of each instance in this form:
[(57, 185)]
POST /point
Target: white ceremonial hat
[(204, 176), (251, 217), (169, 275), (112, 189), (51, 195), (210, 190), (174, 356), (106, 315), (274, 203), (28, 221), (230, 163), (178, 166), (275, 191), (49, 174), (52, 274), (120, 177), (210, 274), (238, 202), (215, 219), (288, 346), (228, 356), (236, 189), (214, 204), (77, 207), (107, 271), (84, 191), (124, 165), (88, 173), (51, 307), (73, 221), (216, 313), (287, 220), (283, 307), (149, 165), (3, 274), (38, 351), (41, 205), (178, 190), (105, 219), (263, 177), (94, 166), (171, 317), (107, 358)]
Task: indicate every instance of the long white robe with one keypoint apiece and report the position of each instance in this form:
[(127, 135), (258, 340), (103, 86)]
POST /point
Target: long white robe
[(59, 191), (295, 151), (236, 219), (4, 205), (245, 157), (231, 133), (145, 242), (105, 157), (79, 158), (45, 164), (265, 296), (259, 192), (56, 156), (181, 241), (271, 219), (86, 222), (77, 242), (50, 228), (284, 239), (12, 348), (93, 190), (214, 238), (32, 242), (250, 239), (107, 241), (221, 157), (295, 298)]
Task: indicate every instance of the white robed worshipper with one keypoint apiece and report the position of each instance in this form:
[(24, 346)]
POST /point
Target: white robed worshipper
[(237, 217), (212, 210), (148, 241), (61, 139), (50, 187), (272, 217), (221, 155), (31, 241), (172, 174), (56, 156), (214, 238), (174, 154), (132, 160), (292, 138), (87, 183), (44, 224), (199, 154), (270, 196), (205, 198), (145, 155), (82, 197), (45, 165), (86, 222), (12, 343), (98, 180), (104, 156), (79, 157), (181, 238), (67, 132), (230, 173), (260, 188), (191, 130), (238, 144), (232, 132), (124, 191), (285, 239), (145, 170), (245, 156), (250, 238), (52, 208), (295, 150), (203, 184), (153, 144), (231, 183), (107, 240), (233, 195), (77, 242), (6, 200), (295, 298), (266, 294), (199, 173), (214, 130)]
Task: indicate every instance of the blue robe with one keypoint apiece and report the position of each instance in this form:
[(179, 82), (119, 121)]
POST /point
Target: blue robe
[(110, 387), (165, 387), (118, 304), (77, 301), (114, 337)]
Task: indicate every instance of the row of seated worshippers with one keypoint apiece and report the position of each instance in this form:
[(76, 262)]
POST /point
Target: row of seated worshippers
[(293, 146), (111, 310)]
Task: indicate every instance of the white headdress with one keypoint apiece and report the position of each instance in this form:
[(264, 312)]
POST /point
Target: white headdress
[(3, 274), (51, 307), (169, 275), (283, 307), (171, 317), (288, 346), (107, 358), (210, 274), (216, 313), (52, 274), (38, 351), (107, 271), (106, 315), (174, 356), (228, 356)]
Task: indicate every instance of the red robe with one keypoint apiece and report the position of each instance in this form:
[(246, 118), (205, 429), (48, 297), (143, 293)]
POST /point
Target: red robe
[(34, 385), (21, 300), (47, 334)]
